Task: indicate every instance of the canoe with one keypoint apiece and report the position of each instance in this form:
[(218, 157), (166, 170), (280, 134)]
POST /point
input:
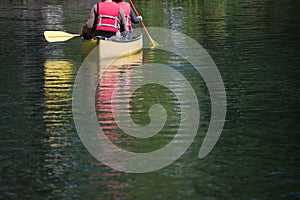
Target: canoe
[(134, 59), (108, 48)]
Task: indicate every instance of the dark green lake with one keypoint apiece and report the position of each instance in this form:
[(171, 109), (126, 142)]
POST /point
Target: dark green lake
[(255, 45)]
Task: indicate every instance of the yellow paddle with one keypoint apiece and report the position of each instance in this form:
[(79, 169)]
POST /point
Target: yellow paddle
[(59, 36), (153, 43)]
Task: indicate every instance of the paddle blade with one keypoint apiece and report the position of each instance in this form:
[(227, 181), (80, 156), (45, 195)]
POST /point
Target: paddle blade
[(153, 43), (58, 36)]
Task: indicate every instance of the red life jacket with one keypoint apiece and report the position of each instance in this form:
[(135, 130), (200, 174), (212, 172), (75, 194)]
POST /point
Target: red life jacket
[(108, 16), (126, 8)]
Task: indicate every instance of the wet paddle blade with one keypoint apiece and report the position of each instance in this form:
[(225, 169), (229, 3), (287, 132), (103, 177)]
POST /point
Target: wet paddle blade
[(58, 36), (153, 43)]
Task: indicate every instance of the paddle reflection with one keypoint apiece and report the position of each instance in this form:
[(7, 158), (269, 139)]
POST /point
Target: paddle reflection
[(58, 76), (58, 159)]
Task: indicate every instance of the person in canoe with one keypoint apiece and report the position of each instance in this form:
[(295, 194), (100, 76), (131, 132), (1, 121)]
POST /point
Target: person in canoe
[(106, 18), (129, 15)]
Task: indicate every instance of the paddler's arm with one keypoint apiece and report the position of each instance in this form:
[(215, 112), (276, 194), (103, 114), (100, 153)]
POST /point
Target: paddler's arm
[(92, 19), (134, 18), (89, 24)]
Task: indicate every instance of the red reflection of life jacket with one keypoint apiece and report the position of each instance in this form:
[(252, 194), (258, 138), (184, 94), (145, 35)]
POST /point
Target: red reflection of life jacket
[(126, 8), (108, 16)]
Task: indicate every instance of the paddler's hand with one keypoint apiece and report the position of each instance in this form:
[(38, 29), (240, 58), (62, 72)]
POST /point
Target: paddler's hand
[(140, 18)]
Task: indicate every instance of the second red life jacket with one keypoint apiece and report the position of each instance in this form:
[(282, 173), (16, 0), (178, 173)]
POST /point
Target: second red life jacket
[(108, 17), (126, 8)]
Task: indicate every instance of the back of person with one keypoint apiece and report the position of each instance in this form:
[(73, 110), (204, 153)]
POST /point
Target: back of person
[(104, 20), (108, 17), (126, 8)]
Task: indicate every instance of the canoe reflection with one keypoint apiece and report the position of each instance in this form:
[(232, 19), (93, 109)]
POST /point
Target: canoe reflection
[(109, 84), (59, 159)]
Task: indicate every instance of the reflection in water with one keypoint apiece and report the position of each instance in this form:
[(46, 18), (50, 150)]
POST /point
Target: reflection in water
[(59, 159), (109, 84), (105, 104), (57, 90), (58, 76)]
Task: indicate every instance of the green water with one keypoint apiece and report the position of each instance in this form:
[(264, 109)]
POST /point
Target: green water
[(255, 45)]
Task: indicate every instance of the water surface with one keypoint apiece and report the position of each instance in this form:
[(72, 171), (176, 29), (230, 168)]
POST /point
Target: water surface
[(255, 45)]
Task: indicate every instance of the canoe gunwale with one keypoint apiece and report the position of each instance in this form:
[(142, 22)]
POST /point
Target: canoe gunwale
[(119, 40), (112, 47), (98, 38)]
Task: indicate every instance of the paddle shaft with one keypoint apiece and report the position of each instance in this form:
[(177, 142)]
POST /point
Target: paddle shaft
[(142, 23), (66, 36)]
